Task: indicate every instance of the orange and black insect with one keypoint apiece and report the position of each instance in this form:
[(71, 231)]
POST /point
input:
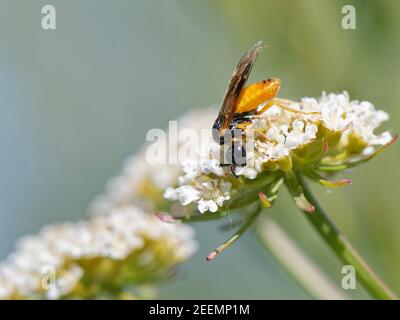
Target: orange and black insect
[(241, 103)]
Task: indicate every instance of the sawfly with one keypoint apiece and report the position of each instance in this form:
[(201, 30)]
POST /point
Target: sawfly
[(242, 103)]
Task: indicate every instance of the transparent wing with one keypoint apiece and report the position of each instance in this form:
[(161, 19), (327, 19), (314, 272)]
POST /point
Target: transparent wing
[(236, 84)]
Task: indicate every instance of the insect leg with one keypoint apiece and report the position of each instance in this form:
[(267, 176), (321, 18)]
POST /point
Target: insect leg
[(285, 106), (233, 171), (243, 124)]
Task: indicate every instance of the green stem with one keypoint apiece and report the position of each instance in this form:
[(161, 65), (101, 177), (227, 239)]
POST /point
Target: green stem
[(248, 223), (195, 217), (343, 249), (295, 262)]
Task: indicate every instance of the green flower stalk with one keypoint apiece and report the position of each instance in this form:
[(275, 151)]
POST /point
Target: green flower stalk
[(296, 262), (343, 249)]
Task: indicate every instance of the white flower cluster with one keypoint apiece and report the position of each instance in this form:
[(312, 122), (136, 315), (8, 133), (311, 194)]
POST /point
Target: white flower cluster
[(48, 265), (360, 118), (209, 194), (272, 136)]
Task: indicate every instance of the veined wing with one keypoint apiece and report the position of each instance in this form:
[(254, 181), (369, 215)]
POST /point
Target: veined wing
[(236, 84)]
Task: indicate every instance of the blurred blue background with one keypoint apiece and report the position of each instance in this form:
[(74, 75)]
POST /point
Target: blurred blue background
[(76, 101)]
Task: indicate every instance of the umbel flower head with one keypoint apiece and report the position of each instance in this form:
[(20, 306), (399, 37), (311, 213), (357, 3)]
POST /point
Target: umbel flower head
[(314, 138), (329, 134), (107, 256)]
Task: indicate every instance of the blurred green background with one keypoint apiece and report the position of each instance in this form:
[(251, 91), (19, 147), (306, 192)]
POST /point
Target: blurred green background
[(76, 101)]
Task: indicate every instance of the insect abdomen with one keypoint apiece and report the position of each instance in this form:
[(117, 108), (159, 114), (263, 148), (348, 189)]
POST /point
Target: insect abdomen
[(257, 93)]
